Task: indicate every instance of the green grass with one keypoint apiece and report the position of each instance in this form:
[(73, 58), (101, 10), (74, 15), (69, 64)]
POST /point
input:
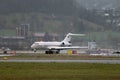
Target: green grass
[(59, 71), (27, 56), (7, 32)]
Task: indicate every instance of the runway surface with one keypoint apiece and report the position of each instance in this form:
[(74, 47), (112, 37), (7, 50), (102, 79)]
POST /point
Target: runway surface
[(82, 61)]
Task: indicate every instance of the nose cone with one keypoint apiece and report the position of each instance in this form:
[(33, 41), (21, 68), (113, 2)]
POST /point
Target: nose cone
[(32, 46), (35, 45)]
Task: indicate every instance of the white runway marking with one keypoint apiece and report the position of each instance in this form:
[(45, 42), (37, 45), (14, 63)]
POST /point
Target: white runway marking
[(2, 55), (82, 61)]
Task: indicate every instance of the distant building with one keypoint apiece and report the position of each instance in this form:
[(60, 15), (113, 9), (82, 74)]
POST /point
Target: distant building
[(14, 42), (23, 30), (45, 36)]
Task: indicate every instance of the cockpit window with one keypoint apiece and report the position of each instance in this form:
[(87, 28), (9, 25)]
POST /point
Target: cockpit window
[(36, 43)]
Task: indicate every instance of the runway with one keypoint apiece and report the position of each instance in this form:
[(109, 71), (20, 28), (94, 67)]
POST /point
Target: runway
[(81, 61)]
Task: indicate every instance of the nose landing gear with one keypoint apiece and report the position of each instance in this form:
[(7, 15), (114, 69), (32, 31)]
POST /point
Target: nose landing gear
[(34, 50)]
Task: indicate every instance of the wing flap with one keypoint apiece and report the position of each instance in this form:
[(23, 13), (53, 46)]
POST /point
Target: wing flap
[(71, 47)]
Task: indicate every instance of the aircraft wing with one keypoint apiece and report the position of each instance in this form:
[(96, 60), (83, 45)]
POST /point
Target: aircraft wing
[(71, 47)]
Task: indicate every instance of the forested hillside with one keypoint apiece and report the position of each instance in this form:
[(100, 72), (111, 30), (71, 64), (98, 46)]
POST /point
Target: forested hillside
[(45, 6), (100, 3), (44, 15), (61, 17), (49, 16)]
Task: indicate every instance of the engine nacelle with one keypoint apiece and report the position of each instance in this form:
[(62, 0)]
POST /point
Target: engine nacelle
[(66, 44)]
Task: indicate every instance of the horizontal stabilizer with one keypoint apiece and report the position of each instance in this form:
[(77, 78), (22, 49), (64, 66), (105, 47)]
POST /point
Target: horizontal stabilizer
[(71, 34)]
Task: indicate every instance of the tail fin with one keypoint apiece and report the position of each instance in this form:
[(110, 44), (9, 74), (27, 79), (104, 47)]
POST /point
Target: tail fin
[(69, 36)]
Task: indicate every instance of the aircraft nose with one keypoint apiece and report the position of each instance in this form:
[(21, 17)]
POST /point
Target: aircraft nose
[(33, 46)]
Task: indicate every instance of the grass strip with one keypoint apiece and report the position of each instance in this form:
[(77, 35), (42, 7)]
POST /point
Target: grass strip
[(59, 71)]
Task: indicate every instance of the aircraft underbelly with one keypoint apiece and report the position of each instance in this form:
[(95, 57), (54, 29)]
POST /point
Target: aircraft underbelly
[(45, 47)]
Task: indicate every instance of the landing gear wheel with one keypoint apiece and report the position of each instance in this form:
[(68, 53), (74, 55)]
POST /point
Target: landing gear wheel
[(49, 52), (34, 50), (46, 52), (57, 52)]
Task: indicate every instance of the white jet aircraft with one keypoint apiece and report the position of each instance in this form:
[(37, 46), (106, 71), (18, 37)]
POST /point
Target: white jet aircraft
[(55, 47)]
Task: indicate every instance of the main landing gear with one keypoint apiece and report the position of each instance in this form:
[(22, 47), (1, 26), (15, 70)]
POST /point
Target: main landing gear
[(52, 52)]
